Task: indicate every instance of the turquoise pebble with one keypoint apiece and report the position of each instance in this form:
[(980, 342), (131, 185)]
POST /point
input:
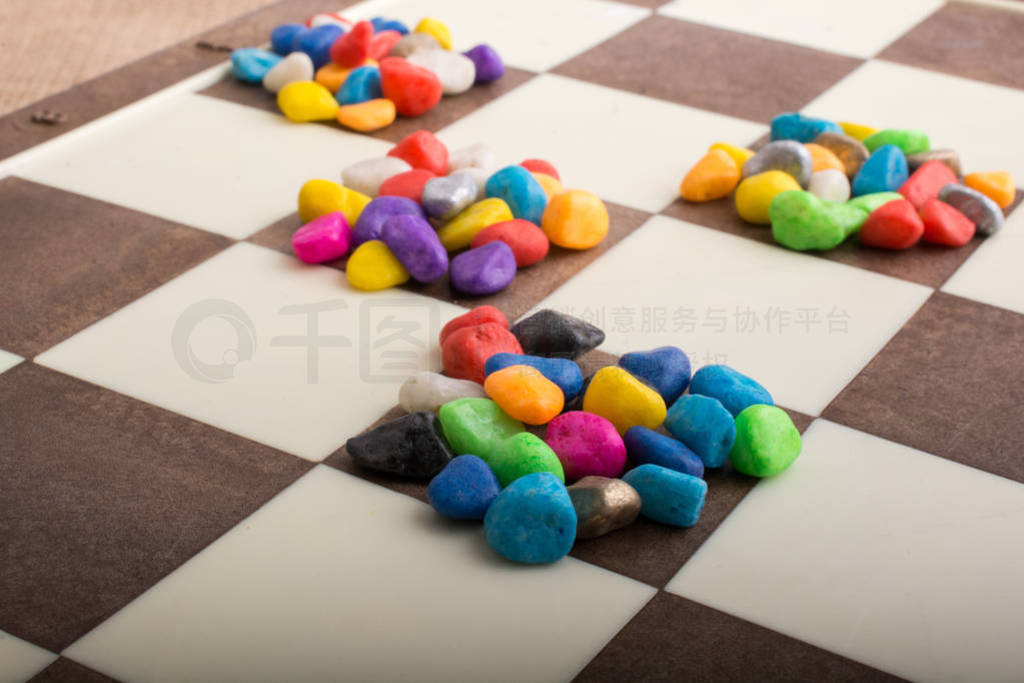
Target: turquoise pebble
[(520, 190), (704, 425), (251, 64), (796, 126), (733, 389), (361, 85), (884, 171), (668, 496), (532, 520)]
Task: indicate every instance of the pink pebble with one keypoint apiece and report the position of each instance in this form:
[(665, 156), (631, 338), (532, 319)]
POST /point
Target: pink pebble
[(586, 444), (325, 238)]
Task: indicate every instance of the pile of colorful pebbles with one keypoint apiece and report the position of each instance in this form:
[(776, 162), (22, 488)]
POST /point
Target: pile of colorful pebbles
[(467, 431), (401, 215), (802, 182), (363, 74)]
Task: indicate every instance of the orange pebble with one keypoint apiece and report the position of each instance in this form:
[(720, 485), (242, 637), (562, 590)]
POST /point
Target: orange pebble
[(575, 219), (551, 184), (996, 185), (823, 158), (713, 177), (525, 394), (367, 116), (332, 76)]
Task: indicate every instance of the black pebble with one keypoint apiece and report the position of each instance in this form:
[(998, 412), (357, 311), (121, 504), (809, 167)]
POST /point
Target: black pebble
[(555, 335), (411, 446)]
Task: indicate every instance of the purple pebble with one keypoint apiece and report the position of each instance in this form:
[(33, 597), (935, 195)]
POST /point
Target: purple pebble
[(484, 270), (489, 66), (371, 220), (413, 241)]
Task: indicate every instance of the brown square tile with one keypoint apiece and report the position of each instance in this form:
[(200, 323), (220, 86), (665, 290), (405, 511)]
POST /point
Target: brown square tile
[(449, 110), (531, 284), (951, 383), (675, 639), (65, 670), (983, 43), (67, 260), (102, 495), (709, 68)]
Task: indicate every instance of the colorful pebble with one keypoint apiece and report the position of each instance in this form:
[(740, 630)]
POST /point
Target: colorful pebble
[(739, 154), (998, 186), (802, 222), (623, 400), (437, 29), (704, 425), (563, 372), (666, 369), (532, 521), (767, 442), (523, 454), (487, 62), (251, 64), (733, 389), (484, 270), (669, 497), (476, 426), (947, 156), (529, 244), (945, 225), (796, 126), (283, 37), (857, 131), (603, 505), (295, 68), (556, 335), (445, 196), (413, 89), (850, 151), (924, 183), (325, 238), (586, 445), (460, 231), (361, 85), (366, 176), (410, 446), (894, 225), (422, 149), (414, 243), (372, 267), (409, 184), (317, 43), (908, 141), (352, 48), (575, 219), (646, 446), (370, 224), (305, 101), (982, 211), (319, 196), (755, 194), (465, 351), (713, 177), (551, 185), (367, 117), (822, 158), (430, 390), (830, 184), (476, 316), (884, 171), (525, 394), (788, 156), (464, 489), (520, 191), (455, 71)]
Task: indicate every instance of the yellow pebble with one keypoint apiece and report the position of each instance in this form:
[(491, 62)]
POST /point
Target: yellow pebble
[(460, 231), (436, 28), (623, 400), (998, 186), (367, 116), (575, 219), (318, 197), (372, 266), (857, 130), (551, 184), (823, 158), (713, 177), (755, 194), (332, 76), (303, 101), (738, 154)]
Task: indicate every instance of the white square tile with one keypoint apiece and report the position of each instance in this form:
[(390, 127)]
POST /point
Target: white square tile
[(971, 117), (860, 29), (777, 315), (201, 161), (8, 360), (373, 587), (530, 34), (884, 554), (19, 660), (990, 272), (626, 148), (184, 347)]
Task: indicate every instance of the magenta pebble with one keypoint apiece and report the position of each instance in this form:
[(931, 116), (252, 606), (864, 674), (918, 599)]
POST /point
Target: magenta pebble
[(324, 238), (586, 444)]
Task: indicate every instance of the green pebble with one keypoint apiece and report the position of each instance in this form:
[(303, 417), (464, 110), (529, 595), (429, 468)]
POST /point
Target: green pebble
[(909, 140), (476, 426), (801, 221), (766, 442), (522, 454), (870, 202)]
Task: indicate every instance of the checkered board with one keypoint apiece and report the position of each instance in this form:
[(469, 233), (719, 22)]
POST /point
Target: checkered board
[(175, 500)]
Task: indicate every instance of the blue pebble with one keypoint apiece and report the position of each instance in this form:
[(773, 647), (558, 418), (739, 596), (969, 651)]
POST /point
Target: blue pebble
[(520, 190), (562, 371), (796, 126), (646, 446), (884, 171), (282, 38), (532, 520), (704, 425), (464, 489), (382, 24), (666, 369), (668, 496), (735, 390), (316, 42), (361, 85), (251, 64)]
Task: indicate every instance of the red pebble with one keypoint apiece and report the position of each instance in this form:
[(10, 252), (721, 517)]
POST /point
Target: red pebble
[(413, 89), (465, 351), (926, 181), (944, 224), (893, 225), (352, 48), (382, 42), (409, 184), (478, 316), (540, 166), (528, 242), (422, 150)]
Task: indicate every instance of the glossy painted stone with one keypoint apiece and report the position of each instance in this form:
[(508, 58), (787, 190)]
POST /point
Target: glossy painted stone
[(532, 521), (369, 116), (410, 446), (362, 84), (520, 191), (525, 394), (667, 496), (999, 186), (704, 425), (603, 505), (430, 390), (553, 334), (733, 389), (445, 197), (623, 400), (487, 61), (414, 243), (754, 195), (788, 156), (666, 369), (586, 444), (323, 239), (945, 225), (982, 211), (575, 219), (464, 489), (767, 442), (484, 270), (413, 89), (884, 171), (304, 101), (648, 446), (924, 183), (850, 151), (714, 176), (562, 371), (870, 202), (460, 231), (351, 49), (319, 196)]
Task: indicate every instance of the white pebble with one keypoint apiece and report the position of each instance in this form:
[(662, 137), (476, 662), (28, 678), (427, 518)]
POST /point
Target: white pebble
[(831, 184), (367, 176), (429, 391), (479, 176), (455, 71), (295, 67), (474, 156)]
